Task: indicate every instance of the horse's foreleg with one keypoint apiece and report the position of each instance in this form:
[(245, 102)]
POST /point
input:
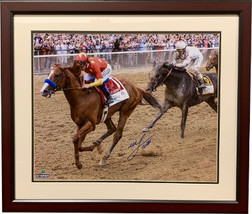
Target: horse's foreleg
[(184, 110), (111, 129), (78, 139), (76, 153), (88, 127), (165, 107), (117, 137)]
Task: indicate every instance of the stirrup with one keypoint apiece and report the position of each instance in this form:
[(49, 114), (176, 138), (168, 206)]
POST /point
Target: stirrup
[(202, 86), (109, 101)]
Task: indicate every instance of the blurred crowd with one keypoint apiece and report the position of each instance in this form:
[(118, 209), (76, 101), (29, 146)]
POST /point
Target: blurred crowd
[(70, 43)]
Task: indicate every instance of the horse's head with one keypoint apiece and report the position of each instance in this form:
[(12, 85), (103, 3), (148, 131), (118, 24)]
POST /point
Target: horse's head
[(212, 60), (158, 74), (55, 81)]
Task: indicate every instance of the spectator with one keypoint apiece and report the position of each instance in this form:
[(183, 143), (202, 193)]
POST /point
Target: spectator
[(90, 48), (44, 48), (97, 47), (64, 49), (37, 47), (58, 48), (71, 48), (117, 42), (37, 39), (116, 47)]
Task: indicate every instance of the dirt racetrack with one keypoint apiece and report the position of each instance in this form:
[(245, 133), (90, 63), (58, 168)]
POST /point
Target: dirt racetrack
[(168, 157)]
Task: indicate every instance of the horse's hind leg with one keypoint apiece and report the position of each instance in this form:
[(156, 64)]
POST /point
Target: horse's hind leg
[(212, 101), (111, 129), (117, 136), (165, 107), (184, 110)]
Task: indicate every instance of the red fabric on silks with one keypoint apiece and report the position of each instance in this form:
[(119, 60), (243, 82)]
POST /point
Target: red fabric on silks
[(96, 67)]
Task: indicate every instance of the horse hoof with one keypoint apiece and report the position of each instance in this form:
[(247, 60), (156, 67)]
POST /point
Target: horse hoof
[(79, 166), (145, 130), (102, 162)]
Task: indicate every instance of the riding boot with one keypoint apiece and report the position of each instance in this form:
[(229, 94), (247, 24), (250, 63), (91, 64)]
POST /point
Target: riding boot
[(202, 83), (107, 94)]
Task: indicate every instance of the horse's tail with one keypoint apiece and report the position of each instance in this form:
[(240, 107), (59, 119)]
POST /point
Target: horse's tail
[(149, 98)]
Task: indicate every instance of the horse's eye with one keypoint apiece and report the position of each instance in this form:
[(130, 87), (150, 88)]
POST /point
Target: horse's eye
[(56, 75)]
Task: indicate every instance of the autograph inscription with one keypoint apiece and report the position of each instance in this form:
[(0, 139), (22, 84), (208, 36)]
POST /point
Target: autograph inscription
[(139, 144)]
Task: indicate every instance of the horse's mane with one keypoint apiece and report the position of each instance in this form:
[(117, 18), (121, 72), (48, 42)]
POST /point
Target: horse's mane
[(75, 69), (71, 72), (167, 67)]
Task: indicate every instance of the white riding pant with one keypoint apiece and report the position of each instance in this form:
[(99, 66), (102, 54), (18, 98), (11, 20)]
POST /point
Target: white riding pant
[(105, 75), (195, 65)]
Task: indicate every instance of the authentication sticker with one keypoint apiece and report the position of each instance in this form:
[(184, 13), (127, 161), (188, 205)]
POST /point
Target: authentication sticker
[(43, 174)]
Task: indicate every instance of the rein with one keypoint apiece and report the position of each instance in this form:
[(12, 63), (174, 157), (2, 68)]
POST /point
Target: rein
[(67, 89), (78, 88), (50, 82), (53, 84), (166, 76), (163, 79)]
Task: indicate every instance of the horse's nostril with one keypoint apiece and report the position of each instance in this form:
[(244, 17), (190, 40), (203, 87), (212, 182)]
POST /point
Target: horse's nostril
[(44, 92)]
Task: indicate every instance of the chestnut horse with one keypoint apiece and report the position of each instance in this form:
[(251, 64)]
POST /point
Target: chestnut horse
[(87, 108), (213, 60)]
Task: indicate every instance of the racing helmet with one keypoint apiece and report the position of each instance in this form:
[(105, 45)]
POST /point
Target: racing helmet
[(180, 45), (82, 57)]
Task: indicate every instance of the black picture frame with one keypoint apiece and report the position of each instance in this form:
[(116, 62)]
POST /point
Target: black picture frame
[(10, 9)]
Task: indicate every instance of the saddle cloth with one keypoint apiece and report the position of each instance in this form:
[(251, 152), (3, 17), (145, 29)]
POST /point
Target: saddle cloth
[(117, 91), (209, 89)]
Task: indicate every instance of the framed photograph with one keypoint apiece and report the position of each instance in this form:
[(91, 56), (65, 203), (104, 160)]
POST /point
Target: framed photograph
[(125, 106)]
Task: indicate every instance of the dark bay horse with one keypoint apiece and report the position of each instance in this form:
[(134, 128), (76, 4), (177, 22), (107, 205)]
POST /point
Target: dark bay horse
[(213, 60), (86, 108), (180, 91)]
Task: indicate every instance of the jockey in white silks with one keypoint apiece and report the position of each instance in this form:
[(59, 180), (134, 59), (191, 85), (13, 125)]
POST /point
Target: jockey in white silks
[(189, 57)]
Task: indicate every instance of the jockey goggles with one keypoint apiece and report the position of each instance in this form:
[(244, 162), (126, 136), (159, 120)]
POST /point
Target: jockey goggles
[(81, 62)]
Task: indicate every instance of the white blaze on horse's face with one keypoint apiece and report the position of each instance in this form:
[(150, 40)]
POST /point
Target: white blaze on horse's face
[(154, 71), (46, 85), (51, 73)]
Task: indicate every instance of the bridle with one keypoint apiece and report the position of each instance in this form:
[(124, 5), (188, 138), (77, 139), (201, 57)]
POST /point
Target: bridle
[(162, 82), (57, 88), (166, 76)]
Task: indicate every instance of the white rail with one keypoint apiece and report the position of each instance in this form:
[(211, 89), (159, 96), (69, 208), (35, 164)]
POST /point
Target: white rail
[(118, 60), (122, 52)]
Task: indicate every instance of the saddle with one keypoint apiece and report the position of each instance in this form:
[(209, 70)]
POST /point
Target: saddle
[(116, 90), (209, 89)]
